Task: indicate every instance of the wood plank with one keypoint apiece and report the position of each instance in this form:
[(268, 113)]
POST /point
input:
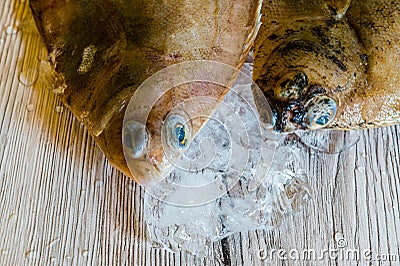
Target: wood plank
[(63, 204)]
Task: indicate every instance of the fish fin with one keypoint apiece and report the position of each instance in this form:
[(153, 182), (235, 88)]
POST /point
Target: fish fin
[(86, 43), (86, 24), (284, 12), (252, 33), (337, 8)]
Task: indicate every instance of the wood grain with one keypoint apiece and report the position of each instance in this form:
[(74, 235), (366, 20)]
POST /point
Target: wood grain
[(63, 204)]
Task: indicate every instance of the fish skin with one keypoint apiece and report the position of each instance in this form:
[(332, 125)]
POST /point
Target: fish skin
[(104, 50), (349, 50)]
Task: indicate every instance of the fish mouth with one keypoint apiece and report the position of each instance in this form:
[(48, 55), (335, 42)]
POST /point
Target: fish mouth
[(316, 112), (290, 117)]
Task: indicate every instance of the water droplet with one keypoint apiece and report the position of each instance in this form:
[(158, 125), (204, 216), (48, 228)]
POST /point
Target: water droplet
[(30, 107), (85, 252), (27, 24), (31, 254), (59, 89), (12, 216), (99, 183), (28, 77), (156, 245), (59, 109), (4, 251), (52, 242), (42, 54), (241, 111), (11, 29)]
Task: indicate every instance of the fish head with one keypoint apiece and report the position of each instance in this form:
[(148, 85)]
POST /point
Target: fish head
[(300, 103), (157, 137), (306, 69)]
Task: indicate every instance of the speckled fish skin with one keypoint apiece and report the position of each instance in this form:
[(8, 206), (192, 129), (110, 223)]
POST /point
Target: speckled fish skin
[(104, 49), (330, 64)]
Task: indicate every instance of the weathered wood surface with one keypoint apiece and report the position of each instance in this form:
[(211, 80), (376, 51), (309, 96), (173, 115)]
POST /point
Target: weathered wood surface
[(61, 203)]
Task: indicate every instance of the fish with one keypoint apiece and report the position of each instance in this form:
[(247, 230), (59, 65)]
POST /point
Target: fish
[(319, 64), (100, 51), (325, 64)]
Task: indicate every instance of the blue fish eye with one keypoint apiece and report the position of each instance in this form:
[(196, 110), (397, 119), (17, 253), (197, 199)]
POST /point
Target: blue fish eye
[(180, 134), (321, 112), (323, 120), (177, 131)]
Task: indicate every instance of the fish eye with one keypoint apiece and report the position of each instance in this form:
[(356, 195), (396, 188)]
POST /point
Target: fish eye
[(177, 130), (180, 134), (292, 88), (135, 138), (323, 119), (321, 111)]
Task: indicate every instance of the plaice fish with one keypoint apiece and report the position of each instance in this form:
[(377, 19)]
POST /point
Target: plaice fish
[(102, 50), (330, 64)]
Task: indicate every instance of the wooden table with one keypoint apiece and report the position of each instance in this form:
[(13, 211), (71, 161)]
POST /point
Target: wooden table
[(63, 204)]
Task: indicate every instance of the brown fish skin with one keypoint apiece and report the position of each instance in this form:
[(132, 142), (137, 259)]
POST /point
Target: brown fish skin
[(330, 64), (103, 50)]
